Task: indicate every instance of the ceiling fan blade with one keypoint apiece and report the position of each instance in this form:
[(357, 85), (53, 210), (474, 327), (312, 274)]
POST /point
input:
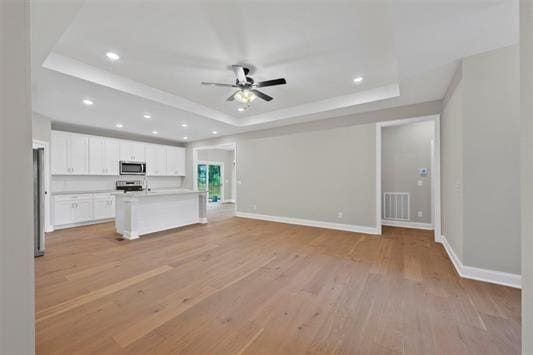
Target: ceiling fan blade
[(262, 95), (239, 73), (218, 84), (272, 82), (232, 97)]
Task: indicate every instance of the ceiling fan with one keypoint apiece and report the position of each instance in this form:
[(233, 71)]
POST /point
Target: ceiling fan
[(247, 87)]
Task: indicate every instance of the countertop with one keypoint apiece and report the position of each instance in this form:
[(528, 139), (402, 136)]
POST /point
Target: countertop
[(82, 192), (157, 193)]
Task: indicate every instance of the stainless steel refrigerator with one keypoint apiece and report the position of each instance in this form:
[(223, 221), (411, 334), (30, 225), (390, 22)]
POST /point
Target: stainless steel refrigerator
[(38, 201)]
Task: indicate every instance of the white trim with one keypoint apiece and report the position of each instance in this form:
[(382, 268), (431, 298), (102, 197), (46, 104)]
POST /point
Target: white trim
[(378, 178), (407, 224), (435, 175), (486, 275), (230, 200), (310, 223)]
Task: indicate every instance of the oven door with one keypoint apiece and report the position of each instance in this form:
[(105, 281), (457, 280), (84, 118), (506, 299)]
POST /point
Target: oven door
[(132, 168)]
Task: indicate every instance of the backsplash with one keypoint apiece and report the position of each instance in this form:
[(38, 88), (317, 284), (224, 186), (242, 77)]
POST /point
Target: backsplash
[(66, 183)]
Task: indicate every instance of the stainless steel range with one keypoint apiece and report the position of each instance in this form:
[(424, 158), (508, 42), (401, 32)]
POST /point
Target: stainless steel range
[(129, 185)]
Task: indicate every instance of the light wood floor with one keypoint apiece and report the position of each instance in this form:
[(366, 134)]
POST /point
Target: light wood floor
[(240, 286)]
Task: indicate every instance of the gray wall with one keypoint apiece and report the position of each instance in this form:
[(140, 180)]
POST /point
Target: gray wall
[(16, 215), (312, 170), (41, 127), (311, 175), (404, 150), (526, 79), (491, 143), (452, 166), (480, 172), (222, 156)]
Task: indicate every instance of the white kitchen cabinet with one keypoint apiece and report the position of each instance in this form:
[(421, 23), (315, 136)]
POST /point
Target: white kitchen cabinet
[(59, 153), (71, 209), (156, 160), (103, 206), (103, 156), (132, 151), (70, 154), (175, 161)]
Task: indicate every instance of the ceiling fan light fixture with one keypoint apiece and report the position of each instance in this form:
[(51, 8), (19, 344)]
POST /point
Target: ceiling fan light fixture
[(245, 96)]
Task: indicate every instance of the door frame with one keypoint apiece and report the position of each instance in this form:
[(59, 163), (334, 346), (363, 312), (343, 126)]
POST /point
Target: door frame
[(435, 173), (222, 176), (48, 227), (235, 183)]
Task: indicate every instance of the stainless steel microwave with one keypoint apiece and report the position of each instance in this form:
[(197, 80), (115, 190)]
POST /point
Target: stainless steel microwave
[(132, 168)]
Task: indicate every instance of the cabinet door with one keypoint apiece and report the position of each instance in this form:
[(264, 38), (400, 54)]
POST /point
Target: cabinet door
[(131, 151), (59, 153), (79, 154), (155, 160), (103, 208), (111, 156), (63, 212), (83, 211), (96, 156), (175, 161)]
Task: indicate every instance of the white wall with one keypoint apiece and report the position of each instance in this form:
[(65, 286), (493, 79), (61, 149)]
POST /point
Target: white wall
[(526, 77), (16, 204), (480, 166), (404, 150)]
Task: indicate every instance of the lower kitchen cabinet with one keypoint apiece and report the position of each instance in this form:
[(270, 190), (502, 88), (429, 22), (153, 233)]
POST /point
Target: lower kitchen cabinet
[(103, 206), (82, 208)]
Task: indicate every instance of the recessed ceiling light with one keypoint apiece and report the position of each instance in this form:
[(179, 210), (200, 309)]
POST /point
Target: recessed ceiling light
[(147, 116), (214, 132), (119, 125), (87, 102), (184, 125), (155, 132), (185, 138), (112, 56), (358, 79), (241, 109)]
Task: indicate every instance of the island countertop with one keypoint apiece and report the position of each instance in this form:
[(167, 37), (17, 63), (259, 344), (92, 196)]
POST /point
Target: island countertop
[(151, 193)]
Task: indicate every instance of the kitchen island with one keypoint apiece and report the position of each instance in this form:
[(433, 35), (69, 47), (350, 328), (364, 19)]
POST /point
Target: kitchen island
[(144, 212)]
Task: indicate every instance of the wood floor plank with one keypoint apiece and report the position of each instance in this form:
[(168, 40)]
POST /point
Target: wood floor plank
[(242, 286)]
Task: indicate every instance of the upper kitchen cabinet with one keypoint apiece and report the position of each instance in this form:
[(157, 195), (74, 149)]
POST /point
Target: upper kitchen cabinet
[(103, 156), (156, 160), (132, 151), (175, 161), (70, 153)]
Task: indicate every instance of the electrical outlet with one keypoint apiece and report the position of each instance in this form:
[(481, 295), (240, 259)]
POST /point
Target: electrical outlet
[(239, 182), (339, 215), (419, 213), (255, 207), (420, 183)]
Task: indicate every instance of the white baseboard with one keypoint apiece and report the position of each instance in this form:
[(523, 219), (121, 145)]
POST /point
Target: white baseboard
[(406, 224), (474, 273), (88, 223), (310, 223)]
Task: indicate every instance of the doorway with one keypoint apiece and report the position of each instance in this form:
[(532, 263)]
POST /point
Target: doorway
[(210, 177), (215, 171), (408, 174)]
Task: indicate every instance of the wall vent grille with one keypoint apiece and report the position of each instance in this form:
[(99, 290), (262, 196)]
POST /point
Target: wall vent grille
[(396, 206)]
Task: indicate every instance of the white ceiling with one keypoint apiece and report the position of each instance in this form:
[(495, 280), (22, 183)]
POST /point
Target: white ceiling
[(407, 51)]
